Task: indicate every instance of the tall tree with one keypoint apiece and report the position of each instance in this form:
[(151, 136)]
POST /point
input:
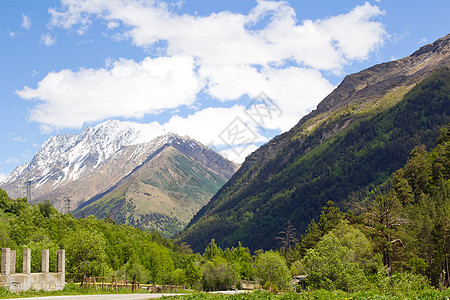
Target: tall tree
[(384, 217), (287, 238)]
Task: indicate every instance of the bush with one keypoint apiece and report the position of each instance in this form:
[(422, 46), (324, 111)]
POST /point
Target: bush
[(339, 260), (218, 275), (271, 270)]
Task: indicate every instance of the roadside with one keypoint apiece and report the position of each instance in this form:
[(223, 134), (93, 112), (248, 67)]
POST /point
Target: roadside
[(100, 297), (119, 296)]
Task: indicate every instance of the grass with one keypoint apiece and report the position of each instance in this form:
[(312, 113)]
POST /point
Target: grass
[(72, 289), (319, 294), (69, 289)]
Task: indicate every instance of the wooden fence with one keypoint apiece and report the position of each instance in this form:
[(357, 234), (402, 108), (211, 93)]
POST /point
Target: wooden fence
[(114, 284), (109, 283)]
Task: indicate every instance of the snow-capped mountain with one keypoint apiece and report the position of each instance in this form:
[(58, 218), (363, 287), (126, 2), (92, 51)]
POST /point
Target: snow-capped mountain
[(67, 157), (71, 169)]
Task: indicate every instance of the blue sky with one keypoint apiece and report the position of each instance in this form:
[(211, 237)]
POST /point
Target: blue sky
[(231, 74)]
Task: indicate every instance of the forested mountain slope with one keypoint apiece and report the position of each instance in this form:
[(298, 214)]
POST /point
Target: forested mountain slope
[(163, 194), (358, 135), (128, 171)]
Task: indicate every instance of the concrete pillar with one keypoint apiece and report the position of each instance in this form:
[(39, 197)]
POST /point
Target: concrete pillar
[(26, 269), (61, 265), (45, 261), (12, 269), (61, 261), (6, 261)]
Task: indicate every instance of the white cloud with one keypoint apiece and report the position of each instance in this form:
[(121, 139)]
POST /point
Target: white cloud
[(238, 154), (232, 38), (234, 53), (12, 34), (226, 55), (228, 131), (128, 89), (47, 40), (209, 125), (295, 90), (3, 177), (26, 22), (112, 25)]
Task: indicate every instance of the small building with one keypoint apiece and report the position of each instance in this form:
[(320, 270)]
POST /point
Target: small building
[(300, 281), (17, 282)]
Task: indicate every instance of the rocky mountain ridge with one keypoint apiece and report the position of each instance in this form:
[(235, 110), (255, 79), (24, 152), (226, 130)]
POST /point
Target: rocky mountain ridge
[(357, 136), (71, 169)]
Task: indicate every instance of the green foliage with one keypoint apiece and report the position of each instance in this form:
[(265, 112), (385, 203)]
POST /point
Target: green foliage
[(271, 270), (193, 275), (322, 295), (160, 263), (330, 217), (339, 260), (125, 204), (178, 276), (241, 260), (218, 274), (295, 174), (212, 251), (135, 270), (406, 225), (401, 283), (5, 240), (85, 252), (384, 219), (92, 246), (36, 254), (12, 206)]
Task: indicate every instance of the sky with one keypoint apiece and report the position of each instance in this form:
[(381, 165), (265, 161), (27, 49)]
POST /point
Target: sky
[(230, 74)]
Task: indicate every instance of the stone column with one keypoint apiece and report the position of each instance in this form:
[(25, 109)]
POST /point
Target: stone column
[(12, 269), (61, 265), (61, 261), (6, 261), (45, 261), (26, 269)]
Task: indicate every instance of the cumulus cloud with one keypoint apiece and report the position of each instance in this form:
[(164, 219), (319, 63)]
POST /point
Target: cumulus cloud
[(126, 89), (210, 126), (47, 39), (26, 22), (238, 153), (229, 131), (226, 55), (295, 90), (233, 38)]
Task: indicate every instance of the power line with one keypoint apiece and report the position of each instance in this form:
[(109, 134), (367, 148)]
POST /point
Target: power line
[(28, 188)]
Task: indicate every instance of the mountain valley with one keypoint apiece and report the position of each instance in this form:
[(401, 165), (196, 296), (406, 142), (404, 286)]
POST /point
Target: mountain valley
[(358, 135), (125, 171)]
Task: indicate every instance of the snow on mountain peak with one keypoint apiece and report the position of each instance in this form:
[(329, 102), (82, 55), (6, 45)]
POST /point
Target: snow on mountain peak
[(67, 156)]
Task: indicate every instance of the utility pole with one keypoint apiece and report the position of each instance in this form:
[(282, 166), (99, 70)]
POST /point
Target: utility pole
[(28, 186), (67, 204)]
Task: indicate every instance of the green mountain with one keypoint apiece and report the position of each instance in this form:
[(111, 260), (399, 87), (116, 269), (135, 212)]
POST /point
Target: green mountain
[(358, 135), (165, 191)]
